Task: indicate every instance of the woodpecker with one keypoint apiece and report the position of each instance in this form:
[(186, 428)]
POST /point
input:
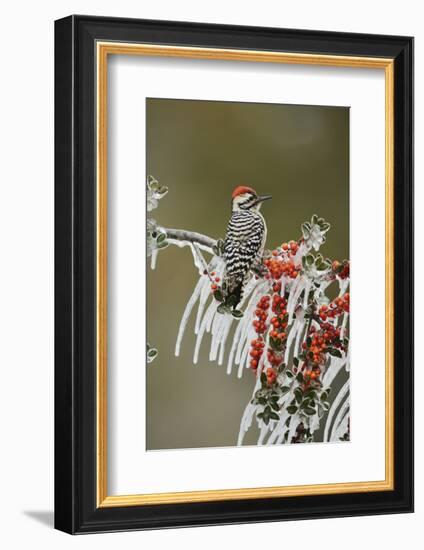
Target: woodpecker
[(244, 242)]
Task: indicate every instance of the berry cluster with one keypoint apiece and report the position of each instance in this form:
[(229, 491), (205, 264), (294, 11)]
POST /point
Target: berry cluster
[(215, 279), (261, 313), (341, 269), (278, 267), (257, 348), (279, 321), (271, 376), (291, 247), (274, 357), (328, 335), (322, 341), (277, 334), (335, 308)]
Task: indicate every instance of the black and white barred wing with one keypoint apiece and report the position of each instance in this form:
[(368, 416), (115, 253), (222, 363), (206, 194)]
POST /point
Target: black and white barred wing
[(243, 247)]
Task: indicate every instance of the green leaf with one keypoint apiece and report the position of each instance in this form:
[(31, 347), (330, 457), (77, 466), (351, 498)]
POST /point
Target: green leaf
[(152, 353), (295, 361), (309, 411), (274, 405), (305, 403), (335, 352), (308, 341), (162, 244), (298, 395), (287, 422), (291, 409), (262, 401), (218, 295), (284, 389), (232, 300), (274, 416), (263, 378), (237, 313), (161, 237), (324, 396), (306, 229), (222, 308), (326, 405), (289, 374), (162, 190), (299, 377)]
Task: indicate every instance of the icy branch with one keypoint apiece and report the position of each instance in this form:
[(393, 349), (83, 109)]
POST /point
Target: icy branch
[(181, 237)]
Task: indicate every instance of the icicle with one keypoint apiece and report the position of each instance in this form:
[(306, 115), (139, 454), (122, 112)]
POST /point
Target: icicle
[(247, 318), (342, 426), (305, 298), (343, 327), (343, 284), (340, 416), (294, 296), (205, 326), (335, 366), (153, 259), (204, 295), (295, 421), (198, 259), (291, 336), (300, 333), (263, 431), (283, 286), (314, 423), (217, 328), (339, 398), (244, 360), (224, 336), (249, 411), (188, 309)]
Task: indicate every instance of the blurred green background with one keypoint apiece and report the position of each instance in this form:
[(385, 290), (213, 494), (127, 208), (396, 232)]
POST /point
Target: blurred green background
[(201, 150)]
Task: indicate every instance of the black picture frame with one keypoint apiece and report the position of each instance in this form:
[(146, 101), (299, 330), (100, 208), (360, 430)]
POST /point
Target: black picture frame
[(76, 510)]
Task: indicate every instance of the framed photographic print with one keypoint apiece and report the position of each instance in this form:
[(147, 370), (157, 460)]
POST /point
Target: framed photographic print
[(234, 274)]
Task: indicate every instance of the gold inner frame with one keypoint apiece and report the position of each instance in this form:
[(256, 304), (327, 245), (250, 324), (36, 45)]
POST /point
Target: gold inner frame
[(104, 49)]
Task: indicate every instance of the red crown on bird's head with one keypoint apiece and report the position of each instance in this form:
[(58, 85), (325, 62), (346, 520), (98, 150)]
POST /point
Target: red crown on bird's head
[(241, 189)]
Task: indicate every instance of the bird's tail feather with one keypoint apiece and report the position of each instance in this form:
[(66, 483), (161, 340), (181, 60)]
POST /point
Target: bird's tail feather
[(233, 289)]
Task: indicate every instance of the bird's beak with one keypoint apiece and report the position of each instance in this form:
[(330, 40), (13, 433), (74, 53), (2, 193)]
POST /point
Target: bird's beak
[(262, 198)]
